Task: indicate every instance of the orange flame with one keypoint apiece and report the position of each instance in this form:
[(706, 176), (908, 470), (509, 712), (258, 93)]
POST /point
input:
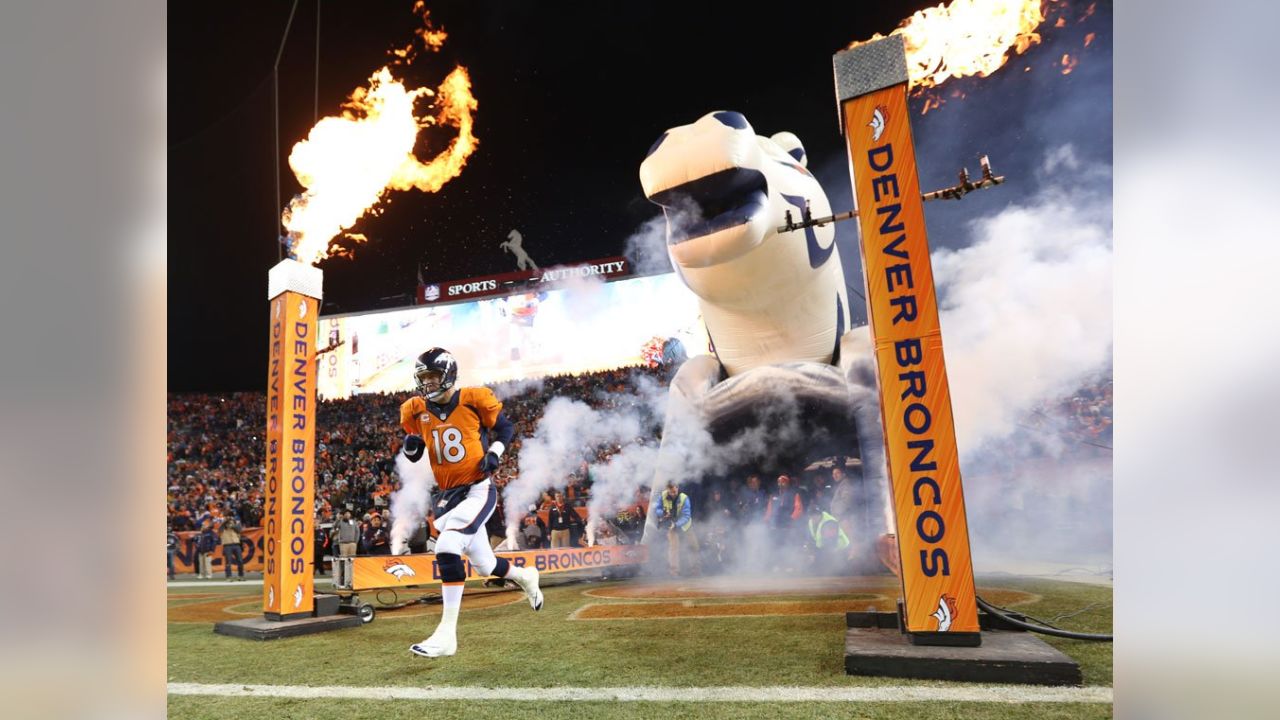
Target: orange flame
[(348, 163), (967, 37), (432, 38), (1068, 64), (1089, 38)]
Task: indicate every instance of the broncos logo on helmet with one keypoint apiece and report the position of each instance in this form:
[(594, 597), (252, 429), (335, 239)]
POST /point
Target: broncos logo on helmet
[(435, 372)]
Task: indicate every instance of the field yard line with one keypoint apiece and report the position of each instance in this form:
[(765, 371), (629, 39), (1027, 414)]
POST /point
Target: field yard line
[(890, 693)]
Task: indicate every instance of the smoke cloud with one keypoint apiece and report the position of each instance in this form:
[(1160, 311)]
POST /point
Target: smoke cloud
[(409, 504), (1026, 308), (568, 430), (647, 246), (512, 388), (646, 249), (1026, 312)]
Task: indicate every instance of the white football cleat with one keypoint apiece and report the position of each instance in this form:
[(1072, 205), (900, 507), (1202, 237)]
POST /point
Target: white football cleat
[(531, 589), (435, 647)]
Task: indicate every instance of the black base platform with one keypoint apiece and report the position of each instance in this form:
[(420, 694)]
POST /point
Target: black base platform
[(875, 646), (260, 628)]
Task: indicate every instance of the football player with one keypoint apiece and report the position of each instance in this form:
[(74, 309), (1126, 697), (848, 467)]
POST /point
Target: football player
[(462, 433)]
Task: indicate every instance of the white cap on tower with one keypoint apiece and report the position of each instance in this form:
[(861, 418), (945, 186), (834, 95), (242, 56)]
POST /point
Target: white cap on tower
[(299, 277)]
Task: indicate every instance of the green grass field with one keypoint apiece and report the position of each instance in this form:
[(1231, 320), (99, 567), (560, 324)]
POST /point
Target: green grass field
[(509, 645)]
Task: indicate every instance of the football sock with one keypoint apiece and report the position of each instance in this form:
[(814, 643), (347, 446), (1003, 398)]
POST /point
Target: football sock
[(519, 574), (452, 594)]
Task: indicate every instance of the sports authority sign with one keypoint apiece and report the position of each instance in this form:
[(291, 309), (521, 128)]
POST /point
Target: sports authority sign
[(915, 401), (288, 516), (506, 283)]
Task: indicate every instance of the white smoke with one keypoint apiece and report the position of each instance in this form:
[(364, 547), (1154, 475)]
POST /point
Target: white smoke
[(570, 431), (409, 504), (567, 431), (647, 247), (1026, 309), (1026, 313), (616, 483), (512, 388), (688, 453)]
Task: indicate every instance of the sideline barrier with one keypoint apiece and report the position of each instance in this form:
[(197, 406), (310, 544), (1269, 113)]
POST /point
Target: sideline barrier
[(184, 559), (370, 572)]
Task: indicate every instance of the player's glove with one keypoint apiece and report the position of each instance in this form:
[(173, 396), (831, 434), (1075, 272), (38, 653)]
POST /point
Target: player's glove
[(414, 447), (489, 463)]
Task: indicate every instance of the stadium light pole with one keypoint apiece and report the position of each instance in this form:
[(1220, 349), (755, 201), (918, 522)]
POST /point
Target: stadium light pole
[(275, 114)]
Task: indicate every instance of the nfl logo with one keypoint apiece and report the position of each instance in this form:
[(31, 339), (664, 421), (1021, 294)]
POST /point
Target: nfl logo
[(432, 293)]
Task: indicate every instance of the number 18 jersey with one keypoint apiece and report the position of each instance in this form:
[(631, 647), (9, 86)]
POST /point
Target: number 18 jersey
[(454, 433)]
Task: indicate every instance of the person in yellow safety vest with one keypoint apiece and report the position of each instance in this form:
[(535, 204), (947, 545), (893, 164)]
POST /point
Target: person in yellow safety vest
[(828, 539), (673, 511)]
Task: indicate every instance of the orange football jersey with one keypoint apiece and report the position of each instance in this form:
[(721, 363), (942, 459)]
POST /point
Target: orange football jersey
[(453, 437)]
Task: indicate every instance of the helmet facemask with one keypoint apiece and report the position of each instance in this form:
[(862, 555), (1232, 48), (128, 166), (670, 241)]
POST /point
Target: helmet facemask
[(430, 383)]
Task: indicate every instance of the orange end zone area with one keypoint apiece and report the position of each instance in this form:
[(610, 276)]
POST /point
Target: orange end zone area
[(748, 587), (748, 597)]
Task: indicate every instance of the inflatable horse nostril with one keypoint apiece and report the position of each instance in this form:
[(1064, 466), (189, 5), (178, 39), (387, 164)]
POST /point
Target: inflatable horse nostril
[(654, 147), (732, 119)]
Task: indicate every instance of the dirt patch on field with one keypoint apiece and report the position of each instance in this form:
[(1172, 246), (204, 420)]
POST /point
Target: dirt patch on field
[(677, 610), (671, 601), (748, 587), (224, 608)]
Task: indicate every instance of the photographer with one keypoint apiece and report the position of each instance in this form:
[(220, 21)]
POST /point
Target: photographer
[(376, 538), (530, 537), (173, 549), (230, 537), (674, 513), (348, 535), (206, 543)]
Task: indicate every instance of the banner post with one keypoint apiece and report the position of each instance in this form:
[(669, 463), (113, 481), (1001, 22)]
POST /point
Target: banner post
[(938, 595), (294, 290)]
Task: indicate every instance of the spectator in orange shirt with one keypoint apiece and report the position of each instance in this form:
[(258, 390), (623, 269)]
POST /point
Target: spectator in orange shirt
[(785, 506)]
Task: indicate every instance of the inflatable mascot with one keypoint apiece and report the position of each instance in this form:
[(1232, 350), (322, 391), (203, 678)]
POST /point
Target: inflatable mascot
[(774, 303)]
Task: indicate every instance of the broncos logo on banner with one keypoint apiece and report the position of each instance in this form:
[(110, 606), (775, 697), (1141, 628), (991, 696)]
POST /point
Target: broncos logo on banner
[(877, 122), (945, 612), (399, 569)]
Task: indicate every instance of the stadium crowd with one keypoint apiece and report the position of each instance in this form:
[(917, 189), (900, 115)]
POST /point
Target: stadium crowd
[(216, 458), (216, 453)]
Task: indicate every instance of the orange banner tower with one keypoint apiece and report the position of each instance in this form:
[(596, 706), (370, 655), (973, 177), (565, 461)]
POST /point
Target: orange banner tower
[(938, 599), (294, 290)]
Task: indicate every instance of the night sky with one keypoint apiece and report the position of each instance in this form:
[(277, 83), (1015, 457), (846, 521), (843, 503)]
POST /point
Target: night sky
[(571, 95)]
